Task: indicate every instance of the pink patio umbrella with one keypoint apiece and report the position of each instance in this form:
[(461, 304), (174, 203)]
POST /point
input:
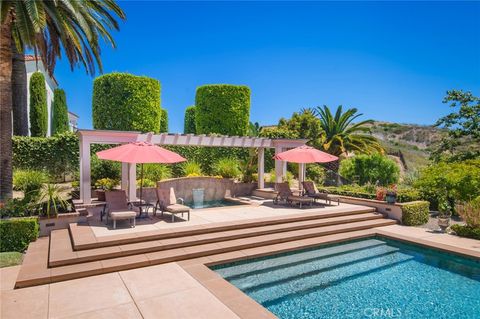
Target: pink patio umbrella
[(140, 152), (305, 154)]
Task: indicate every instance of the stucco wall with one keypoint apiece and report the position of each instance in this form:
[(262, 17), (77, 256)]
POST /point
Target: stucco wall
[(214, 188)]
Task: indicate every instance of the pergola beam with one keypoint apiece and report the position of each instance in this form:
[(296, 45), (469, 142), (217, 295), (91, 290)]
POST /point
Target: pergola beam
[(88, 137)]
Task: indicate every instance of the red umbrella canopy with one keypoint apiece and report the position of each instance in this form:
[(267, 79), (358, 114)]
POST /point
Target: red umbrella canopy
[(140, 152), (305, 154)]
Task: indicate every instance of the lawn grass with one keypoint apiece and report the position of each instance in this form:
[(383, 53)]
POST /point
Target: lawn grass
[(10, 259)]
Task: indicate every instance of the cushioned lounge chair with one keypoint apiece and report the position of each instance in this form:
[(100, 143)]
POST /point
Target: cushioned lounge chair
[(118, 208), (311, 191), (284, 193), (166, 201)]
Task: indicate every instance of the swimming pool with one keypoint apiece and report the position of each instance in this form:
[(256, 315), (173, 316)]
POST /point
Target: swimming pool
[(369, 278)]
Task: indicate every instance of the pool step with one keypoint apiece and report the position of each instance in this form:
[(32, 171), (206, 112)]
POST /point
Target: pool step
[(83, 237), (36, 270), (62, 253)]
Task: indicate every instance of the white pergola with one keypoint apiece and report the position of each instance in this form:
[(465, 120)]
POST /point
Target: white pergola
[(89, 137)]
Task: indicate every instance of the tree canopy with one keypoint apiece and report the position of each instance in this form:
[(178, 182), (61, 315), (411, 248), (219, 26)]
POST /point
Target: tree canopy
[(463, 125)]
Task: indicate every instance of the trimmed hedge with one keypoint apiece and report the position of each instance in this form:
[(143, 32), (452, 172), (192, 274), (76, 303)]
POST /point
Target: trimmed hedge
[(16, 234), (189, 122), (38, 105), (126, 102), (466, 231), (164, 121), (60, 112), (415, 213), (58, 155), (222, 109), (403, 195)]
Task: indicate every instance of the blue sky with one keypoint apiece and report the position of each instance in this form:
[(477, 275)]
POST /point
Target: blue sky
[(392, 60)]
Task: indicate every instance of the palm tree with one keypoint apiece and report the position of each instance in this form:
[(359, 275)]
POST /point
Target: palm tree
[(47, 27), (341, 136)]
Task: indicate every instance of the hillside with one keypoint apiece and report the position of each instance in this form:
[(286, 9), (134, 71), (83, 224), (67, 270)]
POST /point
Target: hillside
[(411, 142)]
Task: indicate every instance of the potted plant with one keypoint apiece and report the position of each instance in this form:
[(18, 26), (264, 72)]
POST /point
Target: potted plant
[(391, 194), (380, 193), (50, 200), (444, 214), (104, 184)]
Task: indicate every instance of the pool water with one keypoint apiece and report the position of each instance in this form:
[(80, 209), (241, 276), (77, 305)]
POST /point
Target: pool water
[(213, 203), (370, 278)]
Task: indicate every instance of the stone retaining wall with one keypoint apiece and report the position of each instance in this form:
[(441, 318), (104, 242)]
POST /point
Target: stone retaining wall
[(214, 188)]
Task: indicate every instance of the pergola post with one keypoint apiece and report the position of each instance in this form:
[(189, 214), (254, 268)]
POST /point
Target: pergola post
[(85, 176), (278, 166), (301, 175), (124, 184), (261, 167), (132, 182)]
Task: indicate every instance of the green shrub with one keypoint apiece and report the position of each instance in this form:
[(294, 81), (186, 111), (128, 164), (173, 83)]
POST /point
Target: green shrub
[(466, 231), (273, 177), (16, 234), (29, 181), (146, 183), (192, 169), (206, 157), (227, 168), (470, 212), (222, 109), (59, 112), (189, 121), (164, 121), (106, 184), (17, 207), (57, 155), (38, 105), (126, 102), (104, 169), (315, 173), (155, 172), (373, 168), (458, 181), (415, 213)]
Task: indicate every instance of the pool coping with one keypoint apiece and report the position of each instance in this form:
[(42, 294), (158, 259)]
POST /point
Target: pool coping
[(246, 307)]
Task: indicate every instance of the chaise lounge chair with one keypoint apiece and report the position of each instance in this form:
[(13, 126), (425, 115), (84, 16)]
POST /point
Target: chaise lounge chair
[(118, 208), (166, 201), (311, 191), (285, 193)]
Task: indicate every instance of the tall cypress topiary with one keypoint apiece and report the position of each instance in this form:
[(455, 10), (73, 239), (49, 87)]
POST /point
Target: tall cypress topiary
[(164, 121), (60, 112), (126, 102), (38, 105), (189, 122), (222, 109)]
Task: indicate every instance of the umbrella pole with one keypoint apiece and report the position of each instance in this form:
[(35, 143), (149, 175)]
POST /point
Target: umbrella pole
[(141, 183)]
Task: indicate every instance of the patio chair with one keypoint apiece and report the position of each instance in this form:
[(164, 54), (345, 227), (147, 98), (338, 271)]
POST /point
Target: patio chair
[(285, 193), (118, 208), (311, 191), (167, 202)]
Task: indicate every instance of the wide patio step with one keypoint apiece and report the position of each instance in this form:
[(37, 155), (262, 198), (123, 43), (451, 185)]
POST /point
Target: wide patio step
[(83, 237), (35, 270), (62, 253)]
